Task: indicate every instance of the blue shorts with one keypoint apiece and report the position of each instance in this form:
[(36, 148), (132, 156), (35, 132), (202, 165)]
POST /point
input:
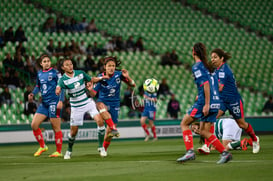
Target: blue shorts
[(196, 111), (235, 108), (149, 114), (48, 110), (113, 110)]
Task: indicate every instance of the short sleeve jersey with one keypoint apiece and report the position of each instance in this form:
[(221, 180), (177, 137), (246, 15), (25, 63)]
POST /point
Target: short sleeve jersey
[(109, 89), (226, 78), (47, 82), (76, 87), (202, 76), (148, 104)]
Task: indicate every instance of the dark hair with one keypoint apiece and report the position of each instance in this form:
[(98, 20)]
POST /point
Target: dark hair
[(221, 53), (199, 50), (60, 63), (111, 58), (39, 60)]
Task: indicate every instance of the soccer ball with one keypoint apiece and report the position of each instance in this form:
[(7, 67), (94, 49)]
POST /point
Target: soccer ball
[(151, 85)]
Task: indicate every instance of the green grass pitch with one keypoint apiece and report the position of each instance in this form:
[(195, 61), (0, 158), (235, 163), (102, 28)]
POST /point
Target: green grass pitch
[(134, 160)]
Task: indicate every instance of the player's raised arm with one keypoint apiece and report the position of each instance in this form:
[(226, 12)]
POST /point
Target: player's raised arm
[(127, 79), (97, 79)]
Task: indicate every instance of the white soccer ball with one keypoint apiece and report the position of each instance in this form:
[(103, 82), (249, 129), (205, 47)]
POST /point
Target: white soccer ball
[(151, 85)]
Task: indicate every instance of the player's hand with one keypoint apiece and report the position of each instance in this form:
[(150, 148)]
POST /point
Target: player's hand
[(125, 73), (60, 105), (89, 85), (30, 97), (105, 77), (206, 109), (58, 91)]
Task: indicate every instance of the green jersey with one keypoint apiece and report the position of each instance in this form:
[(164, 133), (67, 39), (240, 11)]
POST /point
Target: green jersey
[(76, 87)]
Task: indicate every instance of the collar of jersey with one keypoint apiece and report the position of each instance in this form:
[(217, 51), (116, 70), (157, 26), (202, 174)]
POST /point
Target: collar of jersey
[(47, 70)]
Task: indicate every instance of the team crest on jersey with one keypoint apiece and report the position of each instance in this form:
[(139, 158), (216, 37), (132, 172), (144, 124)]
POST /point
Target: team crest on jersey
[(50, 78), (118, 80), (77, 85), (197, 74), (221, 74)]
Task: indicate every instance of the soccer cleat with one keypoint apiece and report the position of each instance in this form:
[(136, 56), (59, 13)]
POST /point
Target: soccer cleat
[(256, 145), (244, 144), (102, 151), (203, 150), (190, 155), (67, 155), (155, 139), (113, 133), (56, 154), (225, 157), (40, 151), (147, 137)]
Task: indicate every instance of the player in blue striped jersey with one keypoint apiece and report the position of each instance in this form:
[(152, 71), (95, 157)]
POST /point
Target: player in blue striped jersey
[(108, 90), (205, 108), (149, 113), (229, 93), (50, 106)]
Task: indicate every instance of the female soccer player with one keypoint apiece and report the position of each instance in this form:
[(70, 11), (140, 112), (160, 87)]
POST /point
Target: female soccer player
[(149, 113), (228, 130), (46, 83), (205, 108), (108, 102), (74, 81), (230, 96)]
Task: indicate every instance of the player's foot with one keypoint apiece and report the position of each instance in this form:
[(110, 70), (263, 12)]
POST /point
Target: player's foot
[(56, 154), (67, 155), (203, 150), (147, 137), (225, 157), (244, 144), (190, 155), (113, 133), (40, 151), (256, 145), (102, 151), (155, 139)]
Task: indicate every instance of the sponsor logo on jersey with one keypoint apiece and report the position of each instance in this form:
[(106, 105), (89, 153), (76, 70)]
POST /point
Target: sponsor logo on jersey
[(221, 74), (197, 74)]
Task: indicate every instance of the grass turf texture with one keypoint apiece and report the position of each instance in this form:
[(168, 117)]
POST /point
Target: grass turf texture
[(134, 160)]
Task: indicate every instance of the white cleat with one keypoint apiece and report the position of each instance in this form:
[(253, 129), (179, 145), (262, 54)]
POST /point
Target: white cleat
[(256, 145), (204, 150), (67, 155), (102, 151), (147, 138)]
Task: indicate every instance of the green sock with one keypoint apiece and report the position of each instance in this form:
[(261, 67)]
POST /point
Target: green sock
[(101, 133), (71, 141), (235, 145)]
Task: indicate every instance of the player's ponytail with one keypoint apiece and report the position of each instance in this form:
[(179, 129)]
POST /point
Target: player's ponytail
[(199, 50), (221, 53), (60, 63)]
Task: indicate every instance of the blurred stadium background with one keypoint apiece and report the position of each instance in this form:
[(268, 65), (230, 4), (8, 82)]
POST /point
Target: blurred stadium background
[(243, 28)]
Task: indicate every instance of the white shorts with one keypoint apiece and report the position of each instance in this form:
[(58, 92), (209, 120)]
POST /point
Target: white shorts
[(77, 113), (231, 130)]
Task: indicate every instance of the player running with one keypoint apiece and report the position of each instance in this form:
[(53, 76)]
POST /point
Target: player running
[(205, 108), (149, 113), (108, 90), (228, 131), (74, 81), (230, 96), (50, 106)]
